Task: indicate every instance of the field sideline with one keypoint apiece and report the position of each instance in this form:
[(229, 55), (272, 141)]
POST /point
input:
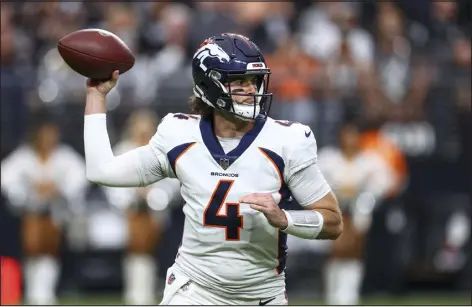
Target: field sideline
[(451, 299)]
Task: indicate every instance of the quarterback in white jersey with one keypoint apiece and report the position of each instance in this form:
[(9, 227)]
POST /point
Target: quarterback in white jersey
[(238, 169)]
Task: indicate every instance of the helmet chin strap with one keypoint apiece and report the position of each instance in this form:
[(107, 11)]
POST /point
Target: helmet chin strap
[(246, 112), (241, 111)]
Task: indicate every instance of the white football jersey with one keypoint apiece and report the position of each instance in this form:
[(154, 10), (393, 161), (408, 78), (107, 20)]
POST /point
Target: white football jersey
[(228, 247)]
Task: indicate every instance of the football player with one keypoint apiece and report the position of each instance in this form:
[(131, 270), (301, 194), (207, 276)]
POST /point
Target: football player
[(238, 169)]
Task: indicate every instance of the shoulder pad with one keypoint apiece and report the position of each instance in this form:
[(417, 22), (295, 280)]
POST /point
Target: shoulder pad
[(175, 129), (299, 143), (295, 132)]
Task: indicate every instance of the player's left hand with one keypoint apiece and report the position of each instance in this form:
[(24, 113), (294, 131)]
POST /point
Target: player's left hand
[(265, 203)]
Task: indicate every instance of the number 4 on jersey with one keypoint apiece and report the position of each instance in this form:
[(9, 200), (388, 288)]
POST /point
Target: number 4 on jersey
[(232, 221)]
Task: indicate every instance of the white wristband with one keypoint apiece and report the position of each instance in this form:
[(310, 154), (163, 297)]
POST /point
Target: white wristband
[(306, 224)]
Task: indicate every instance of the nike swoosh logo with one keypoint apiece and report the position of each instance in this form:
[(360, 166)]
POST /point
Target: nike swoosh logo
[(307, 134), (261, 303)]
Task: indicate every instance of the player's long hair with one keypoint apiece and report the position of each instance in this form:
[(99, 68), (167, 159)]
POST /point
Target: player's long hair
[(197, 106)]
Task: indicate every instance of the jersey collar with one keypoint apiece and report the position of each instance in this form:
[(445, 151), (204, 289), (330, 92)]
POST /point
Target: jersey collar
[(215, 149)]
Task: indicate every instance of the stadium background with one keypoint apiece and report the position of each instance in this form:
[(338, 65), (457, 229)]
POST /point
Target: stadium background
[(419, 97)]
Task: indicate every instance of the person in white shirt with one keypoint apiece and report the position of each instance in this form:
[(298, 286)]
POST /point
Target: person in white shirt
[(237, 167), (361, 179), (44, 181)]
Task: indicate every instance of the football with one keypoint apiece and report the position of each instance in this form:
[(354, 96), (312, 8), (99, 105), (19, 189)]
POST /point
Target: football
[(95, 53)]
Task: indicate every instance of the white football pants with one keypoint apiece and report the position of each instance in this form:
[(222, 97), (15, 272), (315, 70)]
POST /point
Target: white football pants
[(180, 290)]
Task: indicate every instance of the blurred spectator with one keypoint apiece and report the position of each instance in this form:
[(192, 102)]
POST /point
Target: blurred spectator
[(172, 64), (16, 81), (323, 26), (152, 35), (373, 140), (462, 63), (39, 179), (146, 211), (175, 19), (122, 19), (57, 84), (330, 32), (399, 83), (450, 95), (361, 179), (462, 96), (462, 91), (343, 74), (443, 20), (57, 19), (343, 90), (140, 86), (211, 18), (294, 76), (267, 23)]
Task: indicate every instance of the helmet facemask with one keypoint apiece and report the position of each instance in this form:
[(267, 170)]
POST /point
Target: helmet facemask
[(230, 100)]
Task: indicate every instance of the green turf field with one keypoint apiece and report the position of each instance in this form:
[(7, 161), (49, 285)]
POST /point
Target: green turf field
[(406, 300)]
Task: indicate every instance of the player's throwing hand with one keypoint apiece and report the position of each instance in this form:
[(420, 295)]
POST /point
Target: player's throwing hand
[(266, 204), (103, 87)]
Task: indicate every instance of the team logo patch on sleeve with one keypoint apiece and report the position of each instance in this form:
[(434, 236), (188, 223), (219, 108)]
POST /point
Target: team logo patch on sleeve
[(171, 279)]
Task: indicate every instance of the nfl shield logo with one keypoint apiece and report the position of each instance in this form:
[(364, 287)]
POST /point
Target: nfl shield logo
[(224, 163)]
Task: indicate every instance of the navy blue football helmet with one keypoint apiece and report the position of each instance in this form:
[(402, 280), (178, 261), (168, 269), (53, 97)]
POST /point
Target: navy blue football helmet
[(226, 57)]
